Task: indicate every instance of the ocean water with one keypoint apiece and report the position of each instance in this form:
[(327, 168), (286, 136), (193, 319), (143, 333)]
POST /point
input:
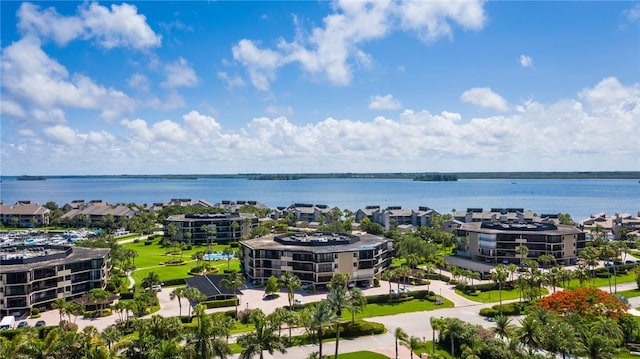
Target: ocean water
[(578, 197)]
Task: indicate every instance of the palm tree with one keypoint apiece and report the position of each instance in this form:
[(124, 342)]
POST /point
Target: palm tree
[(150, 280), (512, 269), (317, 319), (229, 253), (110, 335), (234, 281), (499, 276), (179, 294), (99, 295), (262, 338), (62, 306), (193, 295), (590, 256), (503, 326), (203, 337), (523, 251), (210, 231), (291, 282), (389, 275), (357, 302), (338, 298), (451, 327), (401, 337), (581, 273), (529, 333), (412, 343)]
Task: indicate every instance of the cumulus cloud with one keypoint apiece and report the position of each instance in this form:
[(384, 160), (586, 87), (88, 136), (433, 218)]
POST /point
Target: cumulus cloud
[(593, 123), (484, 97), (231, 81), (139, 82), (633, 14), (25, 67), (179, 74), (386, 102), (117, 26), (11, 108), (526, 61), (334, 51)]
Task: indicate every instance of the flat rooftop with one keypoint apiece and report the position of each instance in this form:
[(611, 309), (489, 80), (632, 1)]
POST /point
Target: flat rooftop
[(316, 242), (24, 258)]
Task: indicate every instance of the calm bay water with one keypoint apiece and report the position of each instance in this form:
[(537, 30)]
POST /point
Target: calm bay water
[(578, 197)]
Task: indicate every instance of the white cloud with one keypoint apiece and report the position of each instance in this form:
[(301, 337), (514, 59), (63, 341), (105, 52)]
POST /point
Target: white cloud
[(179, 74), (610, 92), (231, 81), (26, 67), (593, 125), (386, 102), (279, 110), (633, 14), (261, 64), (433, 19), (484, 97), (26, 132), (11, 108), (526, 61), (333, 50), (139, 82), (54, 115), (119, 26), (61, 134)]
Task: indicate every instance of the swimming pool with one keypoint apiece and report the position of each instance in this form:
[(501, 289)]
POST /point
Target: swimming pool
[(216, 256)]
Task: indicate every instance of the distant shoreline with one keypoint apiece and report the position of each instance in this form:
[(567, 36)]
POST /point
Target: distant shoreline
[(397, 175)]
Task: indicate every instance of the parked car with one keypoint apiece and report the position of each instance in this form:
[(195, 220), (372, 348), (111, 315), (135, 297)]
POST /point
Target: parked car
[(298, 301), (305, 286), (40, 323), (22, 325)]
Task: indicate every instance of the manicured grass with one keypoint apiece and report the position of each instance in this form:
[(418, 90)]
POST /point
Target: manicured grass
[(416, 305), (362, 355), (494, 295), (602, 282), (151, 258), (631, 293), (182, 271)]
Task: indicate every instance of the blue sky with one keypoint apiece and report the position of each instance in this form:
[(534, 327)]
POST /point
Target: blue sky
[(273, 87)]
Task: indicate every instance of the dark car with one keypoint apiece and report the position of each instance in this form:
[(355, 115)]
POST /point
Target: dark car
[(40, 323), (22, 325)]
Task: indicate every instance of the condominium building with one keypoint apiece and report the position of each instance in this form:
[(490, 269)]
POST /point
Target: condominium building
[(24, 214), (394, 216), (228, 226), (315, 257), (35, 276), (497, 241)]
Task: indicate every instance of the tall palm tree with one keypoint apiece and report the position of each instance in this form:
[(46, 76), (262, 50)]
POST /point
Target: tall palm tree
[(291, 282), (503, 326), (193, 295), (203, 337), (523, 251), (62, 306), (339, 299), (110, 335), (99, 296), (401, 337), (590, 256), (178, 293), (499, 276), (529, 333), (357, 302), (412, 343), (234, 281), (262, 338), (451, 327), (389, 275), (317, 319)]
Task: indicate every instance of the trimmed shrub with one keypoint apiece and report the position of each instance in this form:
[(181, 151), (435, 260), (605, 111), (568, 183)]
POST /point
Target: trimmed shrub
[(488, 312), (400, 300), (220, 303), (172, 282), (126, 295), (35, 312), (437, 276), (357, 329), (234, 245), (376, 282)]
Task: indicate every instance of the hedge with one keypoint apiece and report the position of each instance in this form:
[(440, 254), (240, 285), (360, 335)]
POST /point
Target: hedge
[(221, 303), (507, 309), (172, 282), (355, 329), (126, 295), (437, 276)]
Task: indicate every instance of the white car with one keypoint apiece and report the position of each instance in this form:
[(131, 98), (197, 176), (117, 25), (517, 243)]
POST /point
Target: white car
[(298, 301)]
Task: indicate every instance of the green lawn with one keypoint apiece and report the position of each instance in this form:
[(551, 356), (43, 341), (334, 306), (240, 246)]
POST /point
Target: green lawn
[(631, 293), (151, 257), (494, 295), (416, 305), (427, 348), (603, 282)]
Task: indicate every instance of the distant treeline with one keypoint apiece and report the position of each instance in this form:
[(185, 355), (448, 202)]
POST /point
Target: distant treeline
[(393, 175), (274, 177), (436, 178)]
